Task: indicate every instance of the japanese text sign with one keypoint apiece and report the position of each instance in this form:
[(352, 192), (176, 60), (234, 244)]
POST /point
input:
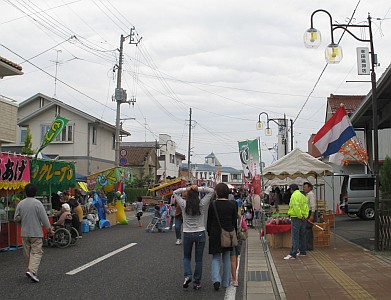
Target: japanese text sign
[(14, 171), (60, 174), (363, 64), (57, 126)]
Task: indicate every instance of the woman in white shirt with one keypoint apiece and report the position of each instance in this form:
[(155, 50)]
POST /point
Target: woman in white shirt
[(193, 212)]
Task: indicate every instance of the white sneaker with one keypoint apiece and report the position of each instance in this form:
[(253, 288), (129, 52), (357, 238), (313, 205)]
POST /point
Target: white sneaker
[(289, 257), (178, 242)]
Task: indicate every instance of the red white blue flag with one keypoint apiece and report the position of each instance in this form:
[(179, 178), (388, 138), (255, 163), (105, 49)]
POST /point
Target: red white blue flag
[(334, 133)]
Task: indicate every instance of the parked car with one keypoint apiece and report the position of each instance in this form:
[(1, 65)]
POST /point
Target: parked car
[(358, 195)]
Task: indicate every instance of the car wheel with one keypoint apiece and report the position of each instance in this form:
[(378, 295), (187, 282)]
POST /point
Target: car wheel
[(368, 212)]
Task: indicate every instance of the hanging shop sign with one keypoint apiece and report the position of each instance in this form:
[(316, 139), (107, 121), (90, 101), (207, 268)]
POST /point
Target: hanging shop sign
[(59, 175), (167, 188), (108, 180), (14, 171)]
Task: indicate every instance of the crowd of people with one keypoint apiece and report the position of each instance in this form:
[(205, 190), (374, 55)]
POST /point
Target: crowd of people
[(203, 213)]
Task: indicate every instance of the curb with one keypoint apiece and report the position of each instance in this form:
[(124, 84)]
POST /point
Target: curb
[(245, 275), (276, 282)]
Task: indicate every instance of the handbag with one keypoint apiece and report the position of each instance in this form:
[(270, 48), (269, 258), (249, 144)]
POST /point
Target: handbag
[(242, 233), (227, 238)]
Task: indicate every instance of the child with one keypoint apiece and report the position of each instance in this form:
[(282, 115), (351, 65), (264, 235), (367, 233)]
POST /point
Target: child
[(157, 212), (249, 215)]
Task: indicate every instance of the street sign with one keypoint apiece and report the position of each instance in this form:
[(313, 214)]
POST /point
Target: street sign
[(363, 65)]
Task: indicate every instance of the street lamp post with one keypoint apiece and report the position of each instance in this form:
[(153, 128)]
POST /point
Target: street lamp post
[(280, 123), (333, 55)]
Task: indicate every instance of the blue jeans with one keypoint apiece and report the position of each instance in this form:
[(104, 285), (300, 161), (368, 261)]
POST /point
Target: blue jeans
[(178, 223), (298, 236), (198, 239), (216, 276)]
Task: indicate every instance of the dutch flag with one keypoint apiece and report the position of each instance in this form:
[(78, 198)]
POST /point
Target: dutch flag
[(334, 133)]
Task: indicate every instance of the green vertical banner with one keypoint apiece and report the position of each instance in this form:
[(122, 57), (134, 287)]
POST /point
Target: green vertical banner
[(57, 126), (249, 156)]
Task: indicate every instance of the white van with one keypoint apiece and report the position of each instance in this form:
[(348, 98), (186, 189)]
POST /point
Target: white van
[(358, 195)]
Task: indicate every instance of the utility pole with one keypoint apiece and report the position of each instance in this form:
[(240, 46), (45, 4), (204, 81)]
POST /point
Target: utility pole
[(188, 151), (120, 94)]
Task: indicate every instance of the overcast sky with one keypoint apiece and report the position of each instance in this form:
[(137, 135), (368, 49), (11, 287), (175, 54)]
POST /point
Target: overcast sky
[(227, 60)]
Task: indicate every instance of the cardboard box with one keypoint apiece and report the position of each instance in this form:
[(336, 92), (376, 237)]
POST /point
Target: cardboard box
[(321, 237), (112, 218), (280, 240)]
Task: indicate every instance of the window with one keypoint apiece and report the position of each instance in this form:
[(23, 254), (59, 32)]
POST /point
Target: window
[(113, 141), (94, 135), (362, 184), (41, 102), (58, 110), (224, 178), (23, 133), (65, 136), (235, 176)]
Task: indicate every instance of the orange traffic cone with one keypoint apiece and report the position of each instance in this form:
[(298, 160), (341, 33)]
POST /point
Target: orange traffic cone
[(337, 211)]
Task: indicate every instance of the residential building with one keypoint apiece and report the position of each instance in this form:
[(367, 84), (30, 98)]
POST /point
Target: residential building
[(88, 141), (142, 160), (212, 172), (167, 159), (8, 108)]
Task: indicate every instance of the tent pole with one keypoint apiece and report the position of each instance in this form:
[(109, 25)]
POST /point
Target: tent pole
[(335, 238)]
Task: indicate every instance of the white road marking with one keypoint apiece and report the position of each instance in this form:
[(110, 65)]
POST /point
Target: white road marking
[(94, 262), (230, 292)]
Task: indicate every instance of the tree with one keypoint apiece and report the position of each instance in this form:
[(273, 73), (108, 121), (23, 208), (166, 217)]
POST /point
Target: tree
[(27, 149), (385, 179), (143, 181)]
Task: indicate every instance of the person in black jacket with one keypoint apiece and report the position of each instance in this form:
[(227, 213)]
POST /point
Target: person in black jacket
[(227, 214)]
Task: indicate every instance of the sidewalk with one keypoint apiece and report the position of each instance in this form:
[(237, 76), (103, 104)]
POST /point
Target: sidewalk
[(258, 277), (344, 272)]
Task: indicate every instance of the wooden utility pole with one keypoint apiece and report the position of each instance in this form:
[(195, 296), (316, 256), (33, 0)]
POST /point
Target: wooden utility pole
[(189, 150)]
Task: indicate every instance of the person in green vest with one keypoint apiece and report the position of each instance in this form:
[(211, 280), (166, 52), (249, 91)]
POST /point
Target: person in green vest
[(298, 211)]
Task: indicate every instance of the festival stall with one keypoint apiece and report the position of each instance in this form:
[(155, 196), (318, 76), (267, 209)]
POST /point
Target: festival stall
[(14, 175), (295, 165), (109, 182), (168, 188)]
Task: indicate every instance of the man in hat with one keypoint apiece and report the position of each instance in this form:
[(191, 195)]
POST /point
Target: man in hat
[(298, 211)]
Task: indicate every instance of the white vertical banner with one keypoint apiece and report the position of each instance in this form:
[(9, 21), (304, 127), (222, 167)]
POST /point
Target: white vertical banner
[(363, 65)]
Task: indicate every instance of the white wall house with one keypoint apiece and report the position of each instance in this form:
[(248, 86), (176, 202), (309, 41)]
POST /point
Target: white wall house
[(86, 140), (212, 172)]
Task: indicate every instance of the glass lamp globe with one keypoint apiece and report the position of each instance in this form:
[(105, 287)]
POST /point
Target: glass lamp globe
[(333, 54), (268, 131), (259, 125), (312, 38)]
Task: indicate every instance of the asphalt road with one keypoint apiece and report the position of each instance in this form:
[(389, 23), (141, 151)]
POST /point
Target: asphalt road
[(151, 269), (360, 232)]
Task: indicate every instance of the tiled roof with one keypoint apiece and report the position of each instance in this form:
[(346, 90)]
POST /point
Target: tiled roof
[(350, 102), (12, 64), (137, 156)]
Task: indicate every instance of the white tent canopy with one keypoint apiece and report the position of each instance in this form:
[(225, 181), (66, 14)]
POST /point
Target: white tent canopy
[(297, 164)]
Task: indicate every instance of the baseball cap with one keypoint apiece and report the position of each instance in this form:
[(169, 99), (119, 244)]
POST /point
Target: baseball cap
[(66, 207), (294, 186)]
